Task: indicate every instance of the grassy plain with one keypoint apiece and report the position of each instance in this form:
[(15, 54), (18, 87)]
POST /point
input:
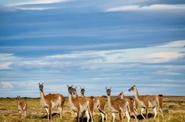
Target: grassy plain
[(174, 111)]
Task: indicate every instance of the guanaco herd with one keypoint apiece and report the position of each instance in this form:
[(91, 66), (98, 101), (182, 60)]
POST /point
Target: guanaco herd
[(84, 106)]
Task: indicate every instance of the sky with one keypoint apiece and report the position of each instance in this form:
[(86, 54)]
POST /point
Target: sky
[(92, 44)]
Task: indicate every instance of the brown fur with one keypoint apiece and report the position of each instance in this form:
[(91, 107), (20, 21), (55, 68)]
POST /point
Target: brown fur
[(117, 103), (78, 102), (160, 101), (143, 102), (22, 107), (118, 106), (54, 97), (133, 107), (91, 104), (100, 102), (120, 96), (132, 104), (147, 98), (50, 101), (91, 101)]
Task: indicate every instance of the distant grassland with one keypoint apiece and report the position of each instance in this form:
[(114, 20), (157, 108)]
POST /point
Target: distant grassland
[(174, 111)]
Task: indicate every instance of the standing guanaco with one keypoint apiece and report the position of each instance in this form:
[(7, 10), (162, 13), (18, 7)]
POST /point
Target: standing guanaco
[(22, 107), (146, 102), (51, 101)]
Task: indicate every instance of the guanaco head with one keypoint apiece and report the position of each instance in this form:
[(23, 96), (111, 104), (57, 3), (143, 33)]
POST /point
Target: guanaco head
[(70, 89), (74, 92), (121, 95), (41, 86), (108, 90), (82, 91), (18, 98), (132, 89)]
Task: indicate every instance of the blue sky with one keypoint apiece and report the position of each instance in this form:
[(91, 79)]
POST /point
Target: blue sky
[(92, 44)]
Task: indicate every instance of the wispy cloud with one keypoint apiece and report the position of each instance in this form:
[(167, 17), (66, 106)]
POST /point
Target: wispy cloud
[(149, 8), (95, 59), (163, 85), (32, 2), (160, 57), (174, 44), (6, 85), (31, 5), (6, 60), (34, 8), (5, 65)]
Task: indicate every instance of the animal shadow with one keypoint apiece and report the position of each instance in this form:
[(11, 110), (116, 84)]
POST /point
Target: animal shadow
[(53, 115), (139, 117)]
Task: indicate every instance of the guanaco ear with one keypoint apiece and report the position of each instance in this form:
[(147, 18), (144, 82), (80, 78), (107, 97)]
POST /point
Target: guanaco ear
[(41, 83), (134, 85), (106, 87)]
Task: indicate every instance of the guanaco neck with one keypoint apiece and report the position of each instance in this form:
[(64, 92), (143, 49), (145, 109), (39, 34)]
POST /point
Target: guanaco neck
[(42, 95), (136, 95), (82, 95), (109, 100), (72, 101), (70, 98), (18, 102)]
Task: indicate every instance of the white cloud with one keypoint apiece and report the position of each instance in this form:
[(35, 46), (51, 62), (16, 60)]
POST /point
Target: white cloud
[(30, 2), (161, 57), (155, 7), (6, 60), (5, 65), (6, 85), (34, 8), (174, 44), (31, 5), (97, 59), (163, 85)]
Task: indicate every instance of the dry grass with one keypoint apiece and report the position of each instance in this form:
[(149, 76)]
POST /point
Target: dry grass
[(174, 108)]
